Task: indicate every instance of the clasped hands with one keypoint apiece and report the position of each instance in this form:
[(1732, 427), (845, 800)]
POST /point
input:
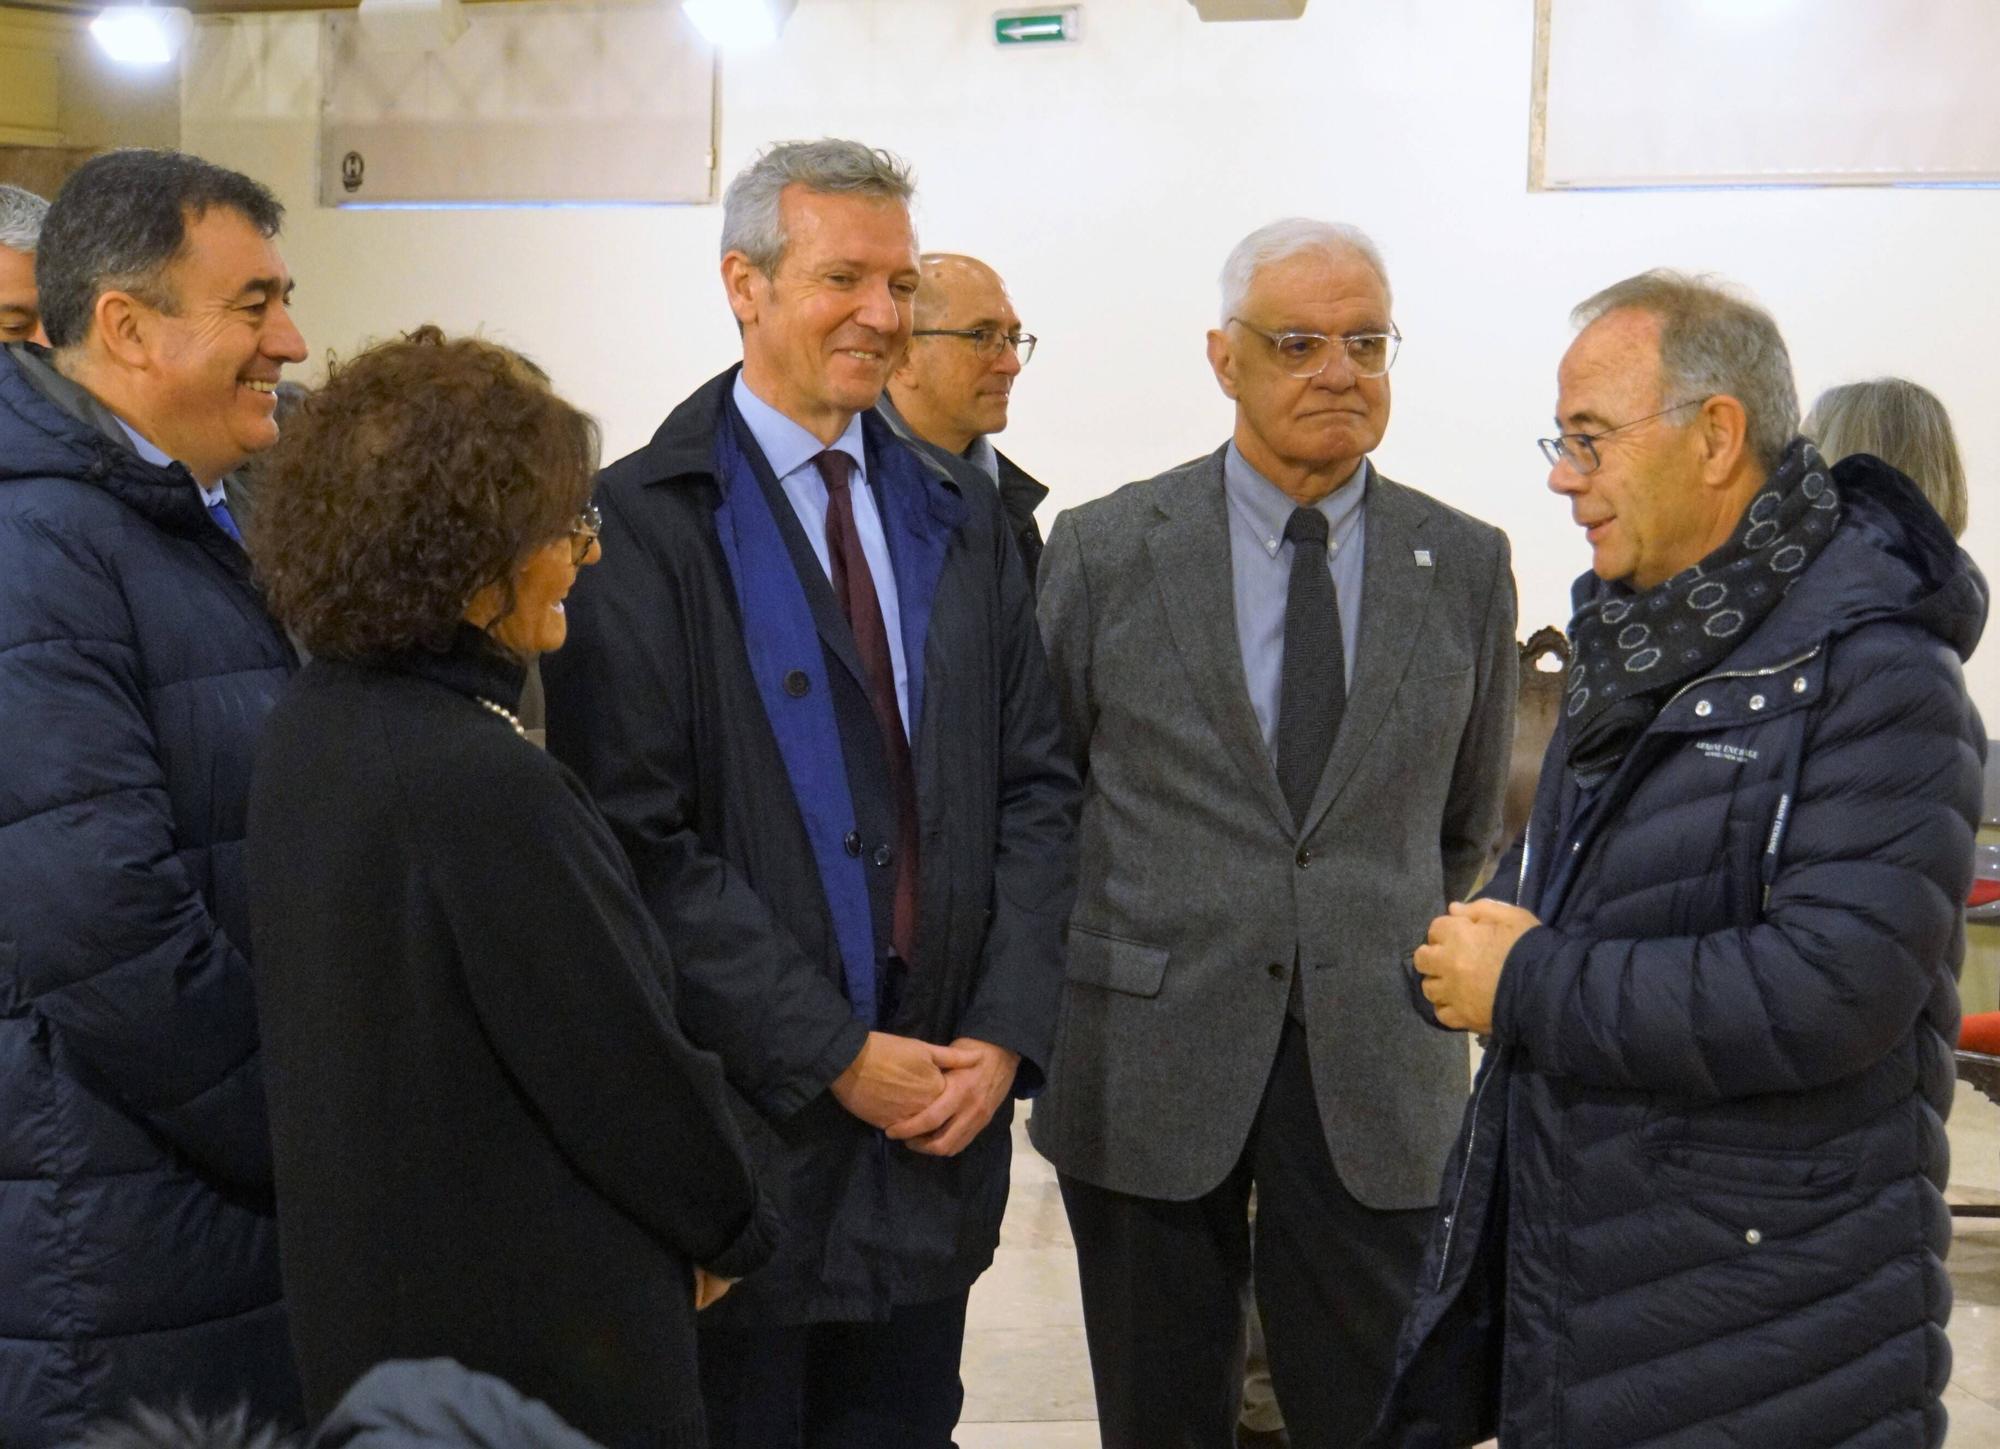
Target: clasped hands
[(932, 1099), (1462, 957)]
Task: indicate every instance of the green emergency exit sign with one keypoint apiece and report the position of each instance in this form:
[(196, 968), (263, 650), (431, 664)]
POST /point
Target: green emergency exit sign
[(1051, 25)]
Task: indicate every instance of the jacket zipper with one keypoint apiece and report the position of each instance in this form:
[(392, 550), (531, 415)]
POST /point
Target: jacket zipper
[(1472, 1125), (1464, 1171)]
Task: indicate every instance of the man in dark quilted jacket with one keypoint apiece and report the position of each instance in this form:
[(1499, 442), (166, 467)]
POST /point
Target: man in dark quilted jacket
[(1696, 1198), (138, 1249)]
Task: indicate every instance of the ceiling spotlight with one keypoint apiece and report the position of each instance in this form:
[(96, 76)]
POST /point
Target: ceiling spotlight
[(141, 34), (730, 24)]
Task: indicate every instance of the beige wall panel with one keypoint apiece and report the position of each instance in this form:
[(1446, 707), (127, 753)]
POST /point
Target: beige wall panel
[(28, 86), (96, 104), (574, 101)]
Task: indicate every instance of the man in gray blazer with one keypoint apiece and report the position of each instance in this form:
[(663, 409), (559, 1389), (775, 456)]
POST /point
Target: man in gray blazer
[(1290, 683)]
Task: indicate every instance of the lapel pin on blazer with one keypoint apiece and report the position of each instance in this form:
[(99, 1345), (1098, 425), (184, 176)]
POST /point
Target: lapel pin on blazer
[(1423, 557)]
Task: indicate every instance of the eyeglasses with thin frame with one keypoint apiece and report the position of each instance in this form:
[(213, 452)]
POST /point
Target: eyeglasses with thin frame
[(583, 534), (1579, 450), (1307, 354), (987, 341)]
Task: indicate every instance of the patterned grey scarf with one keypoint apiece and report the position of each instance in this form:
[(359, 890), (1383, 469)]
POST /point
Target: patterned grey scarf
[(1631, 649)]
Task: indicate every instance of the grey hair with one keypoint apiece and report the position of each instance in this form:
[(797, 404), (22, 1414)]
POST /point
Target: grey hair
[(1291, 237), (181, 1428), (1902, 424), (751, 223), (1712, 343), (21, 214)]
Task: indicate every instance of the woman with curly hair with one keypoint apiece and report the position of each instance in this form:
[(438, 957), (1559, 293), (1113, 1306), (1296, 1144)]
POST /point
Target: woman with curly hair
[(492, 1142)]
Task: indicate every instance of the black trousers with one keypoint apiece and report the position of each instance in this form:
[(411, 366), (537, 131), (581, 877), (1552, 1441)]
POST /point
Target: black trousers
[(1164, 1285), (891, 1385)]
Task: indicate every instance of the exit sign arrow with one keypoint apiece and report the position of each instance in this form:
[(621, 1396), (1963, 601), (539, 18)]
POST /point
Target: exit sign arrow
[(1036, 27)]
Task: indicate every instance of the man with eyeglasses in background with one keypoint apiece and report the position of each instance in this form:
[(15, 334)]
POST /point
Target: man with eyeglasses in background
[(1290, 684), (1698, 1196), (951, 390)]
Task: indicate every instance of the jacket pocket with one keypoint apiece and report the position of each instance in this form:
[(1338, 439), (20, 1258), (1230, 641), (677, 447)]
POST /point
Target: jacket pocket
[(1753, 1172), (1115, 963), (1755, 1194)]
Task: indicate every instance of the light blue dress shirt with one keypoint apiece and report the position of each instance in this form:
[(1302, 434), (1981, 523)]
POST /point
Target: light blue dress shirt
[(143, 446), (790, 451), (1261, 564)]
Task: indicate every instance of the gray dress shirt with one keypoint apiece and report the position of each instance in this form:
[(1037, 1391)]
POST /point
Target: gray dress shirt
[(1261, 566)]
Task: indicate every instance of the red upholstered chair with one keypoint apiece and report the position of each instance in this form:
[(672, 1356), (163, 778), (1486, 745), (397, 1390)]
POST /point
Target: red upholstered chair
[(1979, 1067), (1979, 1034)]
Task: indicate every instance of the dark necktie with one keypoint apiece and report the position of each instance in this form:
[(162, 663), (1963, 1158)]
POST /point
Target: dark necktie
[(1312, 688), (854, 587), (220, 516)]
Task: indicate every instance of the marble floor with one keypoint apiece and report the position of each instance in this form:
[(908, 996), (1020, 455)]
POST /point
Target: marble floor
[(1027, 1372)]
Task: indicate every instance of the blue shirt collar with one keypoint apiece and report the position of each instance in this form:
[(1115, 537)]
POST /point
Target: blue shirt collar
[(786, 446), (1266, 507), (143, 446)]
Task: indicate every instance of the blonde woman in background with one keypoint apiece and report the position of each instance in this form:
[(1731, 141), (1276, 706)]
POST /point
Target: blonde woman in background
[(1902, 424)]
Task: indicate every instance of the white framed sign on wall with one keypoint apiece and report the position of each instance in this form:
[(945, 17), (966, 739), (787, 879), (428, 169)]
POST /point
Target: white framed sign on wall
[(1658, 93), (546, 103)]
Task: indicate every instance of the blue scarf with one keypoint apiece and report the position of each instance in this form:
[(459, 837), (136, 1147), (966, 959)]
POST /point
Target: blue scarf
[(781, 639)]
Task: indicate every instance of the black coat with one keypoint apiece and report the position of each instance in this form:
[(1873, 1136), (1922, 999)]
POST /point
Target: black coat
[(654, 705), (138, 1252), (1020, 496), (1020, 493), (492, 1142), (1697, 1197)]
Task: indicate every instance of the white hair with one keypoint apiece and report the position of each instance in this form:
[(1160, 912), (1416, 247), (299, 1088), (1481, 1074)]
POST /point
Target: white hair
[(21, 214), (1291, 237)]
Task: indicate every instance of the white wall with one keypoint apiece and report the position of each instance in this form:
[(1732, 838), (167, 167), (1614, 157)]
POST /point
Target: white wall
[(1107, 180)]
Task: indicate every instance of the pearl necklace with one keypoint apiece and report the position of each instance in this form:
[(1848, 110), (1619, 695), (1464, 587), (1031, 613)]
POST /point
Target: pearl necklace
[(504, 713)]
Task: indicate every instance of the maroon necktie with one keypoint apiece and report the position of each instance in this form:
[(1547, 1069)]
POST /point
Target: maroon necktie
[(854, 587)]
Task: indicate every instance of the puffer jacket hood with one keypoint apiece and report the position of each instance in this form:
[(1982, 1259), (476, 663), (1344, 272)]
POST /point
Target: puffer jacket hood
[(1697, 1196), (438, 1403), (46, 440)]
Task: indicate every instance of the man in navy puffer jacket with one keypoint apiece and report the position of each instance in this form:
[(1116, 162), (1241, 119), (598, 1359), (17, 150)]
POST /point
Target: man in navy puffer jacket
[(1696, 1199), (138, 1252)]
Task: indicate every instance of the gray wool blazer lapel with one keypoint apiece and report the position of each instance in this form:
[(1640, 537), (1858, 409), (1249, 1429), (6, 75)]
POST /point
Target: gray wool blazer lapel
[(1394, 589), (1189, 550)]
